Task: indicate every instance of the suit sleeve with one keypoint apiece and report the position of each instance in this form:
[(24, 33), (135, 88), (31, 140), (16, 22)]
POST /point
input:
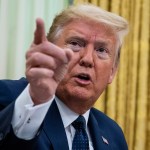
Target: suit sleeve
[(9, 91)]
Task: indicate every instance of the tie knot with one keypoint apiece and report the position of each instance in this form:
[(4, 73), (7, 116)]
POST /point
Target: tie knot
[(79, 123)]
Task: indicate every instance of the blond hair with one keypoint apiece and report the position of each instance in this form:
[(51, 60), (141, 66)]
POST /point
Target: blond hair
[(93, 13)]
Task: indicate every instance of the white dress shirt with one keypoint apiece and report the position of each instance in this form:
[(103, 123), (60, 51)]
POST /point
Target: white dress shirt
[(27, 118), (68, 119)]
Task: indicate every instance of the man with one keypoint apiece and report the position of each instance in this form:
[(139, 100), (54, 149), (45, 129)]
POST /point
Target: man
[(66, 72)]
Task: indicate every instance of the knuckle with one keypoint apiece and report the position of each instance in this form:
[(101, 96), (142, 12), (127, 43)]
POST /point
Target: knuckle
[(28, 54), (45, 46), (29, 74), (36, 57)]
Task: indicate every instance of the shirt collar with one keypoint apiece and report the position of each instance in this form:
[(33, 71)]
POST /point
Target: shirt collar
[(67, 115)]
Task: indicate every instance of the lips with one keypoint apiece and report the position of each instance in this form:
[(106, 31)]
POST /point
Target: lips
[(83, 79), (83, 76)]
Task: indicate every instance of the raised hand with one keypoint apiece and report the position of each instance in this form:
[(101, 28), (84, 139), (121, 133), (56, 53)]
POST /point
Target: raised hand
[(46, 65)]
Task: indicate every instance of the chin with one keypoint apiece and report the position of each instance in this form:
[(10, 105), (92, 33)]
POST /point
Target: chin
[(75, 92), (80, 93)]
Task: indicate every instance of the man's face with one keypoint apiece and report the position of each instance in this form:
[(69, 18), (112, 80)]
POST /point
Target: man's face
[(92, 66)]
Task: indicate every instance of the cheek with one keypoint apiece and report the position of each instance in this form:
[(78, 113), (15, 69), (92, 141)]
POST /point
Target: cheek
[(74, 62), (103, 73)]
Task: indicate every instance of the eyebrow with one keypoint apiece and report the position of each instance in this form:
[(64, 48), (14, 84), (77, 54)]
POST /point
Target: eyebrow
[(102, 42), (77, 38)]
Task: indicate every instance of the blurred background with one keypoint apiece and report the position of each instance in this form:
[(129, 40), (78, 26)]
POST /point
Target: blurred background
[(127, 99)]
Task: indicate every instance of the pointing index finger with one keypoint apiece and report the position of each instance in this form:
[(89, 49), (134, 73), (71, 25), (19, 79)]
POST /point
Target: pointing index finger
[(39, 34)]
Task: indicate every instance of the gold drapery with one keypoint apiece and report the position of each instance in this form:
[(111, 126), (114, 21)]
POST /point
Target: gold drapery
[(127, 99)]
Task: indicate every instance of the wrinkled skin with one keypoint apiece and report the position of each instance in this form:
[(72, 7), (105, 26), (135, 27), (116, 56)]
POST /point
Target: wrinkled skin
[(46, 65), (77, 76)]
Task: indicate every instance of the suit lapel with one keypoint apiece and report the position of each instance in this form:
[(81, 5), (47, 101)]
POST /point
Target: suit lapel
[(54, 128), (99, 137)]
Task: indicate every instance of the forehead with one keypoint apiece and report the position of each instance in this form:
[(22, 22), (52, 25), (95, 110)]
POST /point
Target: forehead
[(90, 31)]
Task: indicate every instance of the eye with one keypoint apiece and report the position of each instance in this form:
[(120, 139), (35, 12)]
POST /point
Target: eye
[(102, 52), (75, 45)]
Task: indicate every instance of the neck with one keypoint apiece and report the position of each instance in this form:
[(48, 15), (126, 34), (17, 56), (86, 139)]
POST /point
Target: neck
[(75, 104)]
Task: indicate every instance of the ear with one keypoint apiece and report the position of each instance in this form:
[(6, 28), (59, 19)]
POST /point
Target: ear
[(113, 72)]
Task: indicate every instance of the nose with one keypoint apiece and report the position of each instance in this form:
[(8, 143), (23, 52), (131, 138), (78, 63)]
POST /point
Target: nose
[(86, 57)]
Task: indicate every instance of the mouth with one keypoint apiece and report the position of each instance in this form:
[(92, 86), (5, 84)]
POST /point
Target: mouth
[(83, 78)]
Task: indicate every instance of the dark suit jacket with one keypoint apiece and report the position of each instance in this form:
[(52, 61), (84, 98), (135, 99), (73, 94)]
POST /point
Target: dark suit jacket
[(105, 133)]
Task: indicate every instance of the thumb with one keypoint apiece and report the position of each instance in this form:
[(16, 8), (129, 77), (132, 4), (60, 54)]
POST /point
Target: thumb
[(69, 54), (39, 34)]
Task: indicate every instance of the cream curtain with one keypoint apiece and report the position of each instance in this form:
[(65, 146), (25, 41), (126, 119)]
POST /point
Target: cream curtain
[(17, 25), (127, 100)]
